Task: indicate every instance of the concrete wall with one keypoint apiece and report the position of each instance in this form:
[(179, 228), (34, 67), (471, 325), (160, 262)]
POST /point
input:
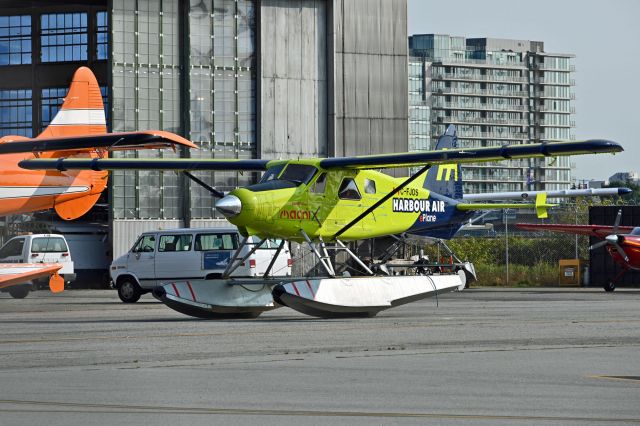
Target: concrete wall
[(292, 78), (369, 101)]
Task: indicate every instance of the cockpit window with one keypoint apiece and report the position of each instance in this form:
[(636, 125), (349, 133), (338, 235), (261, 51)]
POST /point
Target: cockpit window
[(349, 190), (636, 231), (298, 173), (272, 173)]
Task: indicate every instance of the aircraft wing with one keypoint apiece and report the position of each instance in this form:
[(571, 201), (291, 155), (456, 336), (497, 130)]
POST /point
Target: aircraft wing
[(471, 155), (523, 195), (108, 141), (407, 159), (598, 231), (18, 273)]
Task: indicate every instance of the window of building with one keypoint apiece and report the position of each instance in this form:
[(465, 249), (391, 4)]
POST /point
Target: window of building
[(102, 35), (63, 37), (175, 243), (15, 112), (349, 190), (15, 40)]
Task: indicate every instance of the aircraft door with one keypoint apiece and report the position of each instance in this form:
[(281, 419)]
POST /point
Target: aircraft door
[(318, 200), (141, 260)]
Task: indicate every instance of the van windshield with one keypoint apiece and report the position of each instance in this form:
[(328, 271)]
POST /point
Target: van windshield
[(216, 241), (48, 245)]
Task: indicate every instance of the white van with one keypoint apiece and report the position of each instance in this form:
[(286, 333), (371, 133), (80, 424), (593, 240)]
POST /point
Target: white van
[(38, 248), (190, 253)]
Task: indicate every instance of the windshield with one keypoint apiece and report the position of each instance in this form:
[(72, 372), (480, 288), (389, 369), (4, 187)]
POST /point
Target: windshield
[(298, 173)]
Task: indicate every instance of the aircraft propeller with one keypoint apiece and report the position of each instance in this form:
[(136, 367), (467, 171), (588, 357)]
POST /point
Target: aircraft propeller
[(613, 239)]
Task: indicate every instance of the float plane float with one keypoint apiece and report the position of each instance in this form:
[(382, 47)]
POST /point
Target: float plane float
[(324, 203), (78, 130)]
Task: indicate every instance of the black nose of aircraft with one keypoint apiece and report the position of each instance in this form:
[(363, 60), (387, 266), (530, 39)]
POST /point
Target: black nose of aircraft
[(230, 206)]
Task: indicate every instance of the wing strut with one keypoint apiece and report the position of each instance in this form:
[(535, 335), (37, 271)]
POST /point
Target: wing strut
[(381, 201), (209, 188)]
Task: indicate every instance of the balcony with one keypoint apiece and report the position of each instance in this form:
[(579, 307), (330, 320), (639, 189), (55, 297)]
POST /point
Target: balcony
[(544, 81), (547, 123), (541, 94), (483, 120), (479, 106), (546, 108), (481, 92), (483, 78), (487, 135)]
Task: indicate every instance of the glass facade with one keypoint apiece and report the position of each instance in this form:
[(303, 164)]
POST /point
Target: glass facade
[(222, 96), (218, 113), (496, 92), (64, 37), (102, 35), (16, 112), (15, 40)]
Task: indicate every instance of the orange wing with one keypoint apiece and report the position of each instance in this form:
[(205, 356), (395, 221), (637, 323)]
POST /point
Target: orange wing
[(18, 273), (599, 231)]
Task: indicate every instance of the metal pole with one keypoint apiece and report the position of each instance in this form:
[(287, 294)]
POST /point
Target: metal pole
[(576, 236), (506, 239)]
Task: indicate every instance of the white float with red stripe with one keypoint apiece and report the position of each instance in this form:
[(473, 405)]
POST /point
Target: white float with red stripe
[(361, 296), (216, 298)]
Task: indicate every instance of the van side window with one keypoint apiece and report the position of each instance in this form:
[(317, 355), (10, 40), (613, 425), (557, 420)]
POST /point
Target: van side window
[(349, 190), (320, 184), (146, 243), (12, 248), (180, 242), (217, 241)]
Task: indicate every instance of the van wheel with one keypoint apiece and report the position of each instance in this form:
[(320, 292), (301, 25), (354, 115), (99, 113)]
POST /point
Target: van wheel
[(129, 291), (19, 292)]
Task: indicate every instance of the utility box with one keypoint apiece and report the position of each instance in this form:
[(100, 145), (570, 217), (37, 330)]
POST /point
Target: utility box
[(571, 272)]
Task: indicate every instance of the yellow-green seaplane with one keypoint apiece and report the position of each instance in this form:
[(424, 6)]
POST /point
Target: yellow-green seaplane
[(326, 202)]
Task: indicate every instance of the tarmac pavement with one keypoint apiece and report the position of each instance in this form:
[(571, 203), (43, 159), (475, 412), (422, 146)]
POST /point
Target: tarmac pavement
[(482, 356)]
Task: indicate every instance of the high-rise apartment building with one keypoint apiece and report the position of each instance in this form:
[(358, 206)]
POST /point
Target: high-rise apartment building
[(496, 92)]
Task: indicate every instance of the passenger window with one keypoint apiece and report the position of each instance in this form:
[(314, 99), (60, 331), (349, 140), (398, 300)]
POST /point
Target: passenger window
[(349, 190), (145, 244), (369, 186), (12, 248), (320, 184), (175, 243), (218, 241)]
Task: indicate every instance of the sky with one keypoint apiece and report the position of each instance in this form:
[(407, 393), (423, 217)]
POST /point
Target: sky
[(604, 36)]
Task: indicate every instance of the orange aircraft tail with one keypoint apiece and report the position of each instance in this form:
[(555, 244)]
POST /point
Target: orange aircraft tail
[(82, 113)]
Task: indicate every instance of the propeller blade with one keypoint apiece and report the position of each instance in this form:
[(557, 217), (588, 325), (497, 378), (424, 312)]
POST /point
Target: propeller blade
[(621, 252), (616, 224), (598, 245)]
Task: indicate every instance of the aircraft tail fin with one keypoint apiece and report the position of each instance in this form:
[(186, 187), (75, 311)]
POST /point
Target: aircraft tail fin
[(446, 179), (82, 112)]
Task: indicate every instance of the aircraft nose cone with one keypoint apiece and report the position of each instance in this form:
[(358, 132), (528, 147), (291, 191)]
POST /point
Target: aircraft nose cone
[(229, 206), (612, 239)]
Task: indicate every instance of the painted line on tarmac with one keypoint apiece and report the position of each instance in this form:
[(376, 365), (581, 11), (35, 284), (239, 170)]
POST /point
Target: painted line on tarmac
[(71, 407)]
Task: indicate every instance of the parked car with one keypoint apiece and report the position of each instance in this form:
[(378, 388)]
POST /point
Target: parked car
[(38, 248), (184, 254)]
